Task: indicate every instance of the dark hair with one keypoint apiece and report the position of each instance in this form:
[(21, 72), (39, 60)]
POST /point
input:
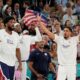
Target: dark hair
[(47, 47), (76, 26), (68, 5), (69, 28), (7, 19), (66, 23)]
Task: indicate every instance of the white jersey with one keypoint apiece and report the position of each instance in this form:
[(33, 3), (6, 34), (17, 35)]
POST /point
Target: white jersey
[(26, 41), (66, 50), (8, 45)]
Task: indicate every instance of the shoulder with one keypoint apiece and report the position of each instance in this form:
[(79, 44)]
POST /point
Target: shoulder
[(76, 38), (2, 31), (34, 51), (15, 33)]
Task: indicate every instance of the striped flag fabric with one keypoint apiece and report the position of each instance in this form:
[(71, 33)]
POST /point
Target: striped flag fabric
[(31, 16)]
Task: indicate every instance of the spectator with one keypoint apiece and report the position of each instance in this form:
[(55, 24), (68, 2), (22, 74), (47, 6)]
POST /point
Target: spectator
[(15, 16), (1, 24), (59, 11), (35, 7), (9, 2), (46, 10), (77, 7), (45, 39), (57, 27), (76, 30), (68, 23), (62, 2), (7, 11), (1, 6), (53, 54), (17, 11), (69, 16), (24, 7), (41, 5)]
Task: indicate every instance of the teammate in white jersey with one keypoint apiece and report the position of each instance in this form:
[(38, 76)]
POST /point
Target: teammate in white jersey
[(25, 41), (66, 52), (9, 50)]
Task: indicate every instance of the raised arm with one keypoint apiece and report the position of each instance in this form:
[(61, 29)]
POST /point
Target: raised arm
[(38, 36), (79, 38), (43, 27)]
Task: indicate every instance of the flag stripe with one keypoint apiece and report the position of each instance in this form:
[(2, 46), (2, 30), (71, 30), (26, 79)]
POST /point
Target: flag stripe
[(30, 21), (30, 16), (29, 11)]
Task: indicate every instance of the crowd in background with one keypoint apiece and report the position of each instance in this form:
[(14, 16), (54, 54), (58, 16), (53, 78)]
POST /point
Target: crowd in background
[(60, 14)]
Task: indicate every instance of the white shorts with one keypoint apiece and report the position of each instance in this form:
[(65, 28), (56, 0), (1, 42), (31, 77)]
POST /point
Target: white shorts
[(24, 68), (66, 72)]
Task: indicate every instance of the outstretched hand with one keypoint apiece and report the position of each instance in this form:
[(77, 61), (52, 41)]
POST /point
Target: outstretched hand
[(38, 18)]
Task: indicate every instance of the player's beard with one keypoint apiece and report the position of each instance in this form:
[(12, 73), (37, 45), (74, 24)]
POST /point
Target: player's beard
[(66, 37), (10, 28)]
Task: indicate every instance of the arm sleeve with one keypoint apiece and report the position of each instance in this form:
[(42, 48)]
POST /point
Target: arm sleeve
[(76, 38), (56, 38), (32, 57), (38, 36)]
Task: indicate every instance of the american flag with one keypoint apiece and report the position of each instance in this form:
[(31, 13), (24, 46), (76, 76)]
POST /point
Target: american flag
[(31, 16)]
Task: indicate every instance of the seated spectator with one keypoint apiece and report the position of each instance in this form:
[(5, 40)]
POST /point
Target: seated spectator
[(77, 7), (17, 11), (46, 10), (59, 11), (1, 6), (69, 16), (7, 11), (1, 24), (35, 7), (68, 24), (57, 27)]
